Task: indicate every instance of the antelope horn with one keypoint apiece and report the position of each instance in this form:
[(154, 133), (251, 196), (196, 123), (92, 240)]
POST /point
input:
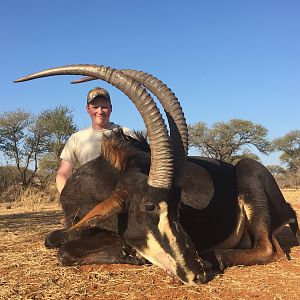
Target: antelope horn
[(161, 169), (171, 105), (83, 79)]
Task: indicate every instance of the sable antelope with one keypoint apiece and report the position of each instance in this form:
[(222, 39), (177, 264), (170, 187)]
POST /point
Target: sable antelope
[(230, 211)]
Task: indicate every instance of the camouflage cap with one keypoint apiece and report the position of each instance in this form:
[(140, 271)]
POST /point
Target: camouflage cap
[(97, 92)]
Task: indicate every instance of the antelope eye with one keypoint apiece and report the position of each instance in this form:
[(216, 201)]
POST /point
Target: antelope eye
[(149, 206)]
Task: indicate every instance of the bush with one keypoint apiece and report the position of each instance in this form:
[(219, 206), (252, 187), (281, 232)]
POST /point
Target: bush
[(288, 180), (11, 193), (30, 197), (9, 176)]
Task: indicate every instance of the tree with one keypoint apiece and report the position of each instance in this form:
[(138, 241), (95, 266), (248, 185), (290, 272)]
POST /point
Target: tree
[(14, 135), (58, 124), (25, 138), (229, 141), (289, 144)]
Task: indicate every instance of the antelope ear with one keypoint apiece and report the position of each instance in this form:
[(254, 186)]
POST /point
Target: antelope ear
[(109, 207), (203, 190)]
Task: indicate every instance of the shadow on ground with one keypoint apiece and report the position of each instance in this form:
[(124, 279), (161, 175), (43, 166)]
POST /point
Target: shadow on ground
[(31, 219)]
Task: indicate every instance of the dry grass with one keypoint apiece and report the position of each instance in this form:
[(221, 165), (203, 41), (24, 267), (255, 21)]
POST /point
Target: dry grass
[(32, 198), (292, 195), (30, 271)]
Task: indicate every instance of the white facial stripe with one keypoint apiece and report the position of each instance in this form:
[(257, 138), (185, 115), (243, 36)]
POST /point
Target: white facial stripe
[(165, 229), (157, 255)]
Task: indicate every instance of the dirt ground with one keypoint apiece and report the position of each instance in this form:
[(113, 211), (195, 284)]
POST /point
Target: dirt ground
[(30, 271)]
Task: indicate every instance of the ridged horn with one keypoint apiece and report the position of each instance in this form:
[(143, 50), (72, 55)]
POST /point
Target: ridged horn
[(172, 107), (161, 169)]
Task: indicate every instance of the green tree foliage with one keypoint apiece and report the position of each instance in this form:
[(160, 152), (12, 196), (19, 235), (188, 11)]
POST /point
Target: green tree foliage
[(25, 139), (229, 141), (290, 146), (15, 136), (58, 124)]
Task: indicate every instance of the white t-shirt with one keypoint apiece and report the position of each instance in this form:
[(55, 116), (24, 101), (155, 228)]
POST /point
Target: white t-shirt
[(85, 145)]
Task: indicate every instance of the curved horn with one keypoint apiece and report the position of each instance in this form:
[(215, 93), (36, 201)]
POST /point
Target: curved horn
[(161, 169), (171, 105), (83, 79)]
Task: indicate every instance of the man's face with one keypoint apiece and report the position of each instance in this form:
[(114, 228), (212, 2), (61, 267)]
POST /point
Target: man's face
[(99, 110)]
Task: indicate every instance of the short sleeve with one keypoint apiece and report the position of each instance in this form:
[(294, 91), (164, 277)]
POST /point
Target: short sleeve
[(68, 152)]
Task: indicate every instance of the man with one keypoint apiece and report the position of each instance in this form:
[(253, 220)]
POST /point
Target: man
[(85, 144)]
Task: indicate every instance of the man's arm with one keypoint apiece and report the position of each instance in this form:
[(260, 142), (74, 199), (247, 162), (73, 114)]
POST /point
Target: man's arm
[(63, 173)]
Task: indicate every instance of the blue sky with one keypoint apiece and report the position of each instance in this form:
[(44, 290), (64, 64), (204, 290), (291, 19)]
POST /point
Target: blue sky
[(223, 59)]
